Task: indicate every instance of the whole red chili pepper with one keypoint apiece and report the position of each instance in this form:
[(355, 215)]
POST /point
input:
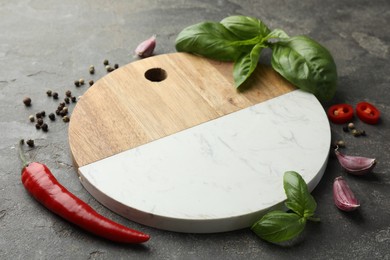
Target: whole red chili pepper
[(44, 187)]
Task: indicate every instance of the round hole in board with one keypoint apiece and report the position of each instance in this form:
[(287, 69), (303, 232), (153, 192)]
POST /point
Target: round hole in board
[(156, 74)]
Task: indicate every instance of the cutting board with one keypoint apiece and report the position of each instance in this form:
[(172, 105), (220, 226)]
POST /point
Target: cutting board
[(169, 142)]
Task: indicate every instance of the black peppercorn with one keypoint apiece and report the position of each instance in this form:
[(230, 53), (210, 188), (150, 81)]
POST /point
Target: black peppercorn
[(116, 66), (45, 127), (68, 93), (81, 81), (91, 69), (77, 83), (38, 115), (58, 112), (31, 118), (49, 93), (52, 116), (30, 143), (37, 126), (27, 101), (55, 95), (105, 62), (346, 129), (74, 99), (91, 82), (40, 121), (61, 105), (109, 68), (43, 113), (65, 119), (67, 100)]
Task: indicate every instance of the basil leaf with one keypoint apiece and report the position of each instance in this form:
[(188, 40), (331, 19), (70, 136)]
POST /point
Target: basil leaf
[(245, 27), (209, 39), (246, 64), (279, 226), (277, 34), (299, 198), (306, 64)]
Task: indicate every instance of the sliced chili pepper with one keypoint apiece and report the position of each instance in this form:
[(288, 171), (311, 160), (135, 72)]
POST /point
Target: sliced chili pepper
[(44, 187), (340, 113), (367, 112)]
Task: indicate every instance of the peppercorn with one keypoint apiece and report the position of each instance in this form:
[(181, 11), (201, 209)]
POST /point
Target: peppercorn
[(55, 95), (49, 93), (37, 126), (58, 112), (346, 129), (43, 113), (351, 125), (340, 143), (109, 68), (77, 83), (31, 118), (67, 100), (68, 93), (65, 109), (91, 82), (61, 105), (65, 119), (27, 101), (74, 99), (91, 69), (45, 127), (116, 66), (81, 81), (363, 133), (105, 62), (38, 115), (355, 132), (52, 116), (40, 121), (30, 143)]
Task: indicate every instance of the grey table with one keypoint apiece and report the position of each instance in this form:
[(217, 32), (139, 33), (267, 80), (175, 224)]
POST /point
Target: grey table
[(49, 44)]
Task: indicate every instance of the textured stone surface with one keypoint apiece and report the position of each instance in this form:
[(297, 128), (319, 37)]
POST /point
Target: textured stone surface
[(49, 44)]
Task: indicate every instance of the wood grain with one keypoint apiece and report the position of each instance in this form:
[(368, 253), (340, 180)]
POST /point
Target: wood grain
[(124, 110)]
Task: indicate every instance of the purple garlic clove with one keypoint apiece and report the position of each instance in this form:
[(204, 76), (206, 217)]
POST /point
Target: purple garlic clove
[(343, 196), (146, 48), (356, 165)]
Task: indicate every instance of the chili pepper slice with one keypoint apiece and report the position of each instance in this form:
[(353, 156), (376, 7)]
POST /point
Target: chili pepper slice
[(340, 113), (367, 112), (44, 187)]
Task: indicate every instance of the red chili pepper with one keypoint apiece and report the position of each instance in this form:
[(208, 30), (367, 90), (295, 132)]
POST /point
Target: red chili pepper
[(340, 113), (44, 187), (367, 112)]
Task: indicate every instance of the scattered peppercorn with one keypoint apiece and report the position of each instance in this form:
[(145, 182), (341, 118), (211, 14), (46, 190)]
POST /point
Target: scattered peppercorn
[(31, 118), (49, 93), (351, 125), (340, 143), (363, 133), (27, 101), (38, 115), (65, 119), (52, 116), (81, 81), (67, 100), (346, 129), (74, 99), (40, 121), (116, 66), (65, 110), (68, 93), (30, 143), (77, 83), (105, 62), (61, 105), (55, 95), (43, 113), (45, 127), (37, 126), (109, 68), (58, 112), (91, 69), (91, 82)]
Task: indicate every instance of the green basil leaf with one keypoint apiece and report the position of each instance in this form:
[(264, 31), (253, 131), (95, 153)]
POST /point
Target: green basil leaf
[(299, 198), (279, 226), (246, 64), (306, 64), (245, 27), (277, 34), (209, 39)]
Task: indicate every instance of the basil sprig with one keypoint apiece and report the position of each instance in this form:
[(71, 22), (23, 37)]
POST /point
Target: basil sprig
[(240, 39), (278, 226)]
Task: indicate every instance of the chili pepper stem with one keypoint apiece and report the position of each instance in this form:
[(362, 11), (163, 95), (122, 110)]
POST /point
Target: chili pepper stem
[(22, 155)]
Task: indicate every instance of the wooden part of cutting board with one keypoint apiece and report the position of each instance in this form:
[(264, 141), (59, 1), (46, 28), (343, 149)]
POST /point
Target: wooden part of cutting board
[(128, 107)]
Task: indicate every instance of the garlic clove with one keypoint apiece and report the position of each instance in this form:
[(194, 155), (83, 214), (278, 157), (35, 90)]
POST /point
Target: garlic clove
[(343, 196), (146, 48), (356, 165)]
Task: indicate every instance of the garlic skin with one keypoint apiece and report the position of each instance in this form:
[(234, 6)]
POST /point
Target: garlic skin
[(343, 196), (145, 49), (356, 165)]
